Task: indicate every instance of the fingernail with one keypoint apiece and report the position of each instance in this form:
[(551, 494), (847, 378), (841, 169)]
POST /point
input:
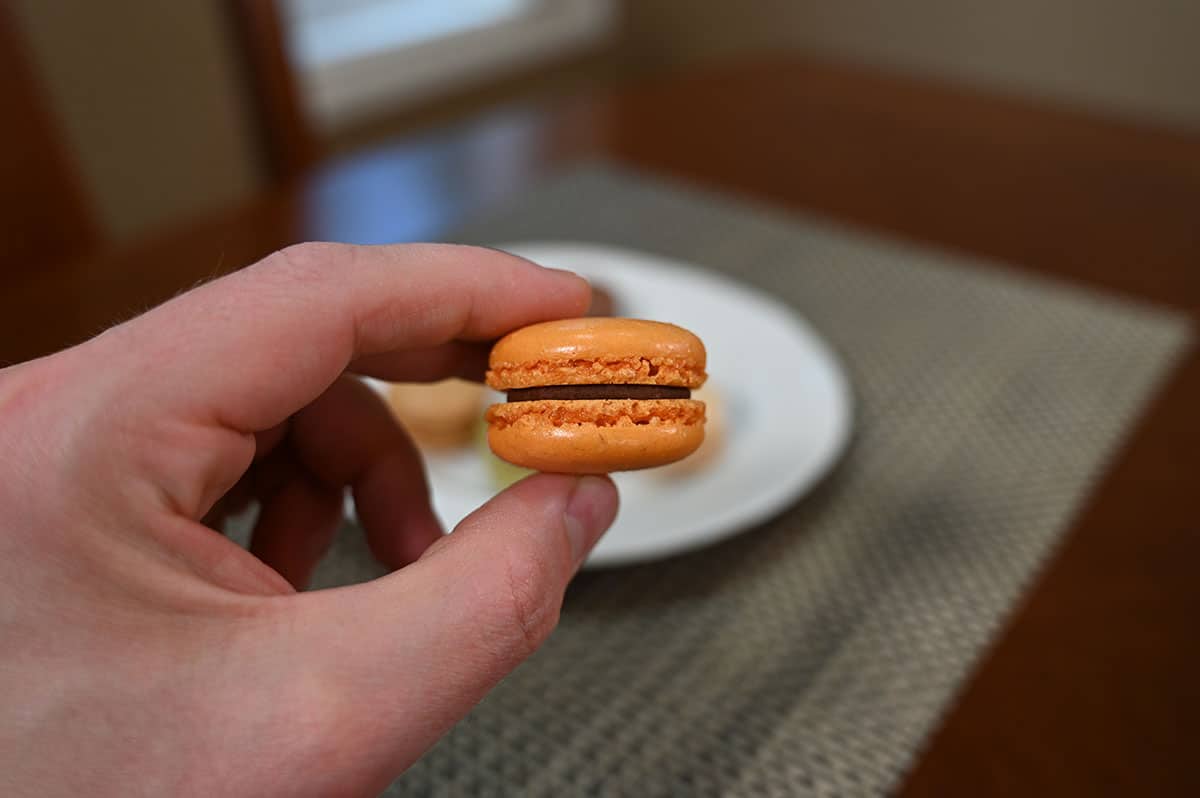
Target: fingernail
[(590, 510)]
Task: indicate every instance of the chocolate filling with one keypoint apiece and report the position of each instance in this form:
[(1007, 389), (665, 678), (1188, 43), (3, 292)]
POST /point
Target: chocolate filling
[(561, 392)]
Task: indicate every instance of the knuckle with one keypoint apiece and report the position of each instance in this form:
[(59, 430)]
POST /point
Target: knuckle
[(438, 547), (303, 262)]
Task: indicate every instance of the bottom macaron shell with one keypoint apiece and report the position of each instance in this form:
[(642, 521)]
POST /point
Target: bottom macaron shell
[(597, 437), (589, 449)]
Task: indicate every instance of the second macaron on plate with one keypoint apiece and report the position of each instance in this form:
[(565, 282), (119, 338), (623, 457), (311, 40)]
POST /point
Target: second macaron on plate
[(780, 411)]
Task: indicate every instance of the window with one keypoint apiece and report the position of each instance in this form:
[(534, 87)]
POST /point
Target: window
[(355, 57)]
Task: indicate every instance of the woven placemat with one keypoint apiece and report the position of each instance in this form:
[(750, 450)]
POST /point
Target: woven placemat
[(815, 655)]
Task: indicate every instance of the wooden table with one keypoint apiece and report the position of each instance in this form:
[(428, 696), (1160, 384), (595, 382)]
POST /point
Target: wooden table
[(1094, 686)]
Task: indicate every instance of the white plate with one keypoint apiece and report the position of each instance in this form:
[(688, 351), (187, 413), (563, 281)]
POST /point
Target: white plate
[(786, 397)]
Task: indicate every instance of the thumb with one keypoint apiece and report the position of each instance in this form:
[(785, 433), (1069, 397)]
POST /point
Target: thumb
[(411, 653)]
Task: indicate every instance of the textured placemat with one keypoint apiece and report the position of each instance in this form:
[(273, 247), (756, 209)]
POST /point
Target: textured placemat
[(815, 655)]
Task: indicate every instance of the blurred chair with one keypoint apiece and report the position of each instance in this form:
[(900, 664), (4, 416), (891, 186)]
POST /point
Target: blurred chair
[(290, 145), (44, 215)]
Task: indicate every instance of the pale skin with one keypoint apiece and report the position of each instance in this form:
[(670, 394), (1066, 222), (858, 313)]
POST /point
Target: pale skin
[(143, 653)]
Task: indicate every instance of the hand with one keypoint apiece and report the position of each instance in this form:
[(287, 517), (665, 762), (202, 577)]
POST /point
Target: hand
[(141, 652)]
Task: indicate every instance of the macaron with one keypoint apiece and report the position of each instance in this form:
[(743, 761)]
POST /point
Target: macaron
[(595, 395), (438, 415)]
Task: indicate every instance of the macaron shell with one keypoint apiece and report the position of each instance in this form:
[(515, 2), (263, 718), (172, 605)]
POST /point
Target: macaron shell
[(607, 371), (592, 449), (601, 412), (592, 337), (577, 350)]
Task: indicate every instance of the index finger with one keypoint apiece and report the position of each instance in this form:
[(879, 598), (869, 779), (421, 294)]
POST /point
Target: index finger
[(251, 349)]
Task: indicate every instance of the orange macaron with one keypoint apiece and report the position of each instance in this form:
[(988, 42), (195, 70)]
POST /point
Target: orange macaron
[(595, 395)]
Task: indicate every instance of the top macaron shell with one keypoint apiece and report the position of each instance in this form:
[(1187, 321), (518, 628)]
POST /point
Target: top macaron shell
[(596, 435), (592, 351)]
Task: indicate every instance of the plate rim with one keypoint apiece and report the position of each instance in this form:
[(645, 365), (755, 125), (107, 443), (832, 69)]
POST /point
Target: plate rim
[(772, 503)]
